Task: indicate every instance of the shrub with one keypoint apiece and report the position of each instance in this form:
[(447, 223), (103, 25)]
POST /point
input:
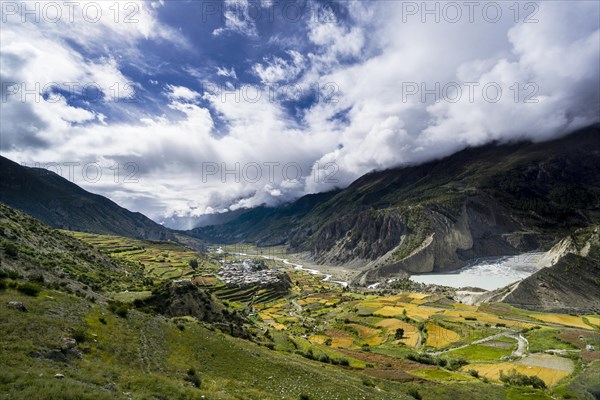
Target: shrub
[(102, 320), (456, 363), (193, 263), (515, 378), (399, 333), (325, 359), (344, 362), (414, 393), (79, 335), (122, 311), (304, 397), (193, 378), (30, 289), (10, 249), (368, 382), (474, 373), (2, 285)]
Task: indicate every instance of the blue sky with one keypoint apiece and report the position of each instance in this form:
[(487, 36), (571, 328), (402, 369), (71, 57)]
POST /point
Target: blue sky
[(205, 106)]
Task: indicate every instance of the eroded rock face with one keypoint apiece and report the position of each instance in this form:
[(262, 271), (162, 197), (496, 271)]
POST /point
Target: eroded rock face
[(479, 227), (568, 282)]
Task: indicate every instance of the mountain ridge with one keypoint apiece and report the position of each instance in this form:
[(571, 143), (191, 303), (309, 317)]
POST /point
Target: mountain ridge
[(485, 201), (64, 205)]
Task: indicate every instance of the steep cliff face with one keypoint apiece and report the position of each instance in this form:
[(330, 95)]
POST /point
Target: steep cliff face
[(478, 228), (568, 282)]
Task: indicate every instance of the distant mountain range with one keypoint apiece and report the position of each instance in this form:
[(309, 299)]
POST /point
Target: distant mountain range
[(493, 200), (62, 204)]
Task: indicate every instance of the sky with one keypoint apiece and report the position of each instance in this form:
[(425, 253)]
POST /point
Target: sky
[(184, 108)]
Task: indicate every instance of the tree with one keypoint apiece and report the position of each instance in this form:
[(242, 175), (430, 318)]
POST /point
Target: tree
[(193, 263), (399, 333)]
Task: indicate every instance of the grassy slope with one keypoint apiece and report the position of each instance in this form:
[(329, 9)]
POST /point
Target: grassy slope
[(148, 355)]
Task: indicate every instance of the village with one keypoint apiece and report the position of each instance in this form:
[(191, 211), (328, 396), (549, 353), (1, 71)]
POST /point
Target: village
[(246, 272)]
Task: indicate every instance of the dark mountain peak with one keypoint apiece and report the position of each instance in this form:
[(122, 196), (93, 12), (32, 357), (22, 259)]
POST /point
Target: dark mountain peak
[(62, 204)]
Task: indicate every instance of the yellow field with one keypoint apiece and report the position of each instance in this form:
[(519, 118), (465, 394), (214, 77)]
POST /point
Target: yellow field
[(368, 335), (342, 341), (411, 336), (340, 338), (439, 337), (461, 306), (389, 311), (484, 317), (492, 371), (421, 312), (595, 320), (562, 319), (318, 339)]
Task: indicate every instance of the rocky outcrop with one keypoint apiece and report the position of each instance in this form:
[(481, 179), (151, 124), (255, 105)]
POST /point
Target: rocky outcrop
[(480, 228), (183, 298), (568, 282)]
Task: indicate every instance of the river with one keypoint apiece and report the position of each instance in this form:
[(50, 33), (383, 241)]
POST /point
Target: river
[(486, 273)]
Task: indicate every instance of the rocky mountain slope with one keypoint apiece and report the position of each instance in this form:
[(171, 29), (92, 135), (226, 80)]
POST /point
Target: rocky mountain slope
[(493, 200), (62, 204), (569, 282)]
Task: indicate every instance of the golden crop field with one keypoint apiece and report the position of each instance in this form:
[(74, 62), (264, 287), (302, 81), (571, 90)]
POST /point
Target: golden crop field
[(492, 371), (594, 319), (411, 335), (439, 337), (486, 318), (389, 311), (369, 336), (317, 339), (562, 319)]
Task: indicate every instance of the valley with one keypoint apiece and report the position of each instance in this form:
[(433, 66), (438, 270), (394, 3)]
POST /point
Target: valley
[(408, 341)]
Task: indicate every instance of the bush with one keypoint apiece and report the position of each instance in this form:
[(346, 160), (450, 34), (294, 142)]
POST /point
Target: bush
[(344, 362), (79, 335), (193, 263), (368, 382), (515, 378), (193, 378), (30, 289), (415, 394), (325, 359), (2, 285), (10, 249), (456, 363), (304, 397), (102, 320), (474, 373), (122, 311)]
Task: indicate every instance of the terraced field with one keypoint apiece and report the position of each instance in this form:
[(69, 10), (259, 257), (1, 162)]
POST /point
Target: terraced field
[(323, 321)]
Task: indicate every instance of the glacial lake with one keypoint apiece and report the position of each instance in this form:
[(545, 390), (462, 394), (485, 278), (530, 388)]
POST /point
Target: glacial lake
[(486, 273)]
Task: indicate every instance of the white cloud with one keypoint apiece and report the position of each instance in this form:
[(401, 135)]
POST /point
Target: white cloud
[(181, 93), (237, 19), (228, 73), (279, 70), (371, 126)]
